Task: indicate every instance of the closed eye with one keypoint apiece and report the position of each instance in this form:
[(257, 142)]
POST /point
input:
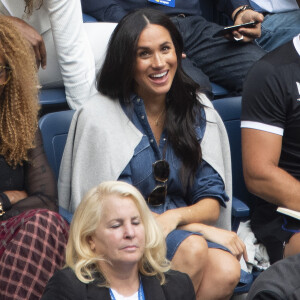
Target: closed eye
[(136, 221), (116, 225)]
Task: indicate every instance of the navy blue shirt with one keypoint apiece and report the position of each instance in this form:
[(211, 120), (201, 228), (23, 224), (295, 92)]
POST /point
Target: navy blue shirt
[(115, 10), (138, 172)]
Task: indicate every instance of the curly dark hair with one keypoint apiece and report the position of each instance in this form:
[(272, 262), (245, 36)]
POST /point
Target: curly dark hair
[(19, 99)]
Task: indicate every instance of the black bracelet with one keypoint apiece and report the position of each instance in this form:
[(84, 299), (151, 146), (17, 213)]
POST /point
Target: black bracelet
[(243, 8)]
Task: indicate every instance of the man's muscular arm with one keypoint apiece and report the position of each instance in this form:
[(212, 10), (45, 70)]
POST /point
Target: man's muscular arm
[(261, 152)]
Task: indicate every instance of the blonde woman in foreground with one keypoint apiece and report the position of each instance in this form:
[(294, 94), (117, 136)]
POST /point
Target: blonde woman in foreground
[(116, 251)]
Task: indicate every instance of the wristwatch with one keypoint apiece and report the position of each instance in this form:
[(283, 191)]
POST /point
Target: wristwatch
[(243, 8)]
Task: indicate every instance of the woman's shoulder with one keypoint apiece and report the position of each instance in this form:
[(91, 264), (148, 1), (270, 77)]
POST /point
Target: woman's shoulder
[(100, 102), (99, 107), (64, 285), (66, 273)]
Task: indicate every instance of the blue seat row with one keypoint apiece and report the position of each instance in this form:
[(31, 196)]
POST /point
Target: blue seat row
[(55, 127)]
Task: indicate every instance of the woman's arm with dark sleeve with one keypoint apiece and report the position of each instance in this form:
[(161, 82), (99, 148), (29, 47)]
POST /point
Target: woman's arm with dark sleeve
[(40, 184)]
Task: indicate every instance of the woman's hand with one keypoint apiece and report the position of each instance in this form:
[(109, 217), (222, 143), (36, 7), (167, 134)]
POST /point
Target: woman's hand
[(15, 196), (168, 221), (226, 238)]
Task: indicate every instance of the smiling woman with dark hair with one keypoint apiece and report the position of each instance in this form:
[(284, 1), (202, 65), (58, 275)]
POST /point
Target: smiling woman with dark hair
[(152, 127)]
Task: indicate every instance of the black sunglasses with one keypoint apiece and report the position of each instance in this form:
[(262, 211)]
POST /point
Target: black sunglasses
[(161, 172)]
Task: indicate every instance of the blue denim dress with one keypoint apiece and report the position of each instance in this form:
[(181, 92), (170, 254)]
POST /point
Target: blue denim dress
[(139, 173)]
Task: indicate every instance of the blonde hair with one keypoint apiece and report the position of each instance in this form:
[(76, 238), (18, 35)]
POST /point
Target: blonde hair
[(19, 99), (79, 255)]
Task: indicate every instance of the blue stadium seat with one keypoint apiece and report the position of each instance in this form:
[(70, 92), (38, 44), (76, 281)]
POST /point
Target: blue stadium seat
[(88, 18), (54, 128), (230, 111), (52, 96)]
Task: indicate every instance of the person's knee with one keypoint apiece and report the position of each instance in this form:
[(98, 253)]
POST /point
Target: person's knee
[(192, 253), (195, 249), (228, 272)]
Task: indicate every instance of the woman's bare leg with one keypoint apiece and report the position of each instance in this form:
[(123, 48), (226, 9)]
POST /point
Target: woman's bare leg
[(214, 272), (220, 277), (191, 258)]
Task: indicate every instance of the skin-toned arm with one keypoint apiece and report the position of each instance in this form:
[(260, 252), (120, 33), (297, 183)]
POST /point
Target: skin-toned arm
[(261, 152), (298, 1), (34, 38), (192, 218), (204, 211), (15, 196), (226, 238), (244, 17)]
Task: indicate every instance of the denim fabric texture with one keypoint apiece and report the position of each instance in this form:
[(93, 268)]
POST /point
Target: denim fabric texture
[(175, 238), (277, 29), (138, 172)]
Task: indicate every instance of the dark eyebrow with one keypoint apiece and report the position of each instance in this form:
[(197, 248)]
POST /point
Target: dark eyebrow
[(142, 48), (166, 43), (148, 48)]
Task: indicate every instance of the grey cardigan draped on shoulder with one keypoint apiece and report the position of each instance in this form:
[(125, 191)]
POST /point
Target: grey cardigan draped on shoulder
[(101, 142)]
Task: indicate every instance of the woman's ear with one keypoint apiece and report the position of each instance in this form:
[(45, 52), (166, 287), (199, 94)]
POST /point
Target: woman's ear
[(91, 243)]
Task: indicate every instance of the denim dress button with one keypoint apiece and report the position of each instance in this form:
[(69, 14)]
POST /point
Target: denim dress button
[(143, 117)]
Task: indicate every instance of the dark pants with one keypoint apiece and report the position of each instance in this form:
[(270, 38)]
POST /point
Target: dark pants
[(215, 59)]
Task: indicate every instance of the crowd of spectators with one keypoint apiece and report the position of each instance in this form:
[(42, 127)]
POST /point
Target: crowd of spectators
[(166, 51)]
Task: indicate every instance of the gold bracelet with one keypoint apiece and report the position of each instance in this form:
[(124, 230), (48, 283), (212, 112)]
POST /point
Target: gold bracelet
[(2, 212)]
